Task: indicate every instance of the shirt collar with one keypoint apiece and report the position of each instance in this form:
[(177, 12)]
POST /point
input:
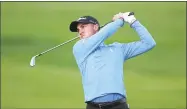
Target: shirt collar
[(102, 44), (84, 40)]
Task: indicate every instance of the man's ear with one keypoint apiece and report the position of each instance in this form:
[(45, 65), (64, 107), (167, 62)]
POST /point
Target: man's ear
[(96, 27)]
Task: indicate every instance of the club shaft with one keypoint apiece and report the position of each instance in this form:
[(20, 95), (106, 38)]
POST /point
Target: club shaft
[(131, 13), (57, 46)]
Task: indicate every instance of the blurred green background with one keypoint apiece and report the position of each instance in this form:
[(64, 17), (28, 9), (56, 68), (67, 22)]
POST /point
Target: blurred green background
[(156, 79)]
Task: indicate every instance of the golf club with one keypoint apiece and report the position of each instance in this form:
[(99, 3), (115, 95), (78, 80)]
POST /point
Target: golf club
[(32, 62)]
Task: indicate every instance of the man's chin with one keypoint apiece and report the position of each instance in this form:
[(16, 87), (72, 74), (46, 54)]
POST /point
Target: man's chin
[(82, 37), (85, 36)]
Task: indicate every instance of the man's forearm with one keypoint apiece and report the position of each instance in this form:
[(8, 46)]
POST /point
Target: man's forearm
[(111, 28), (143, 33)]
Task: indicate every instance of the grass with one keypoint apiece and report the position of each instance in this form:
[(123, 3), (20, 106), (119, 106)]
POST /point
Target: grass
[(156, 79)]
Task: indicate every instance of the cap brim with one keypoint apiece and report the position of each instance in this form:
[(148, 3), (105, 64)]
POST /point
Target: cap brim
[(73, 25)]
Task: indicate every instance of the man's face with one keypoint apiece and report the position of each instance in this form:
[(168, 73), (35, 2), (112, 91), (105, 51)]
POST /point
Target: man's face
[(86, 30)]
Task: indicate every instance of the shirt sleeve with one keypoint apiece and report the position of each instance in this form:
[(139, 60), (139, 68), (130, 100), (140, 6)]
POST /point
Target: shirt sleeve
[(145, 43), (83, 48)]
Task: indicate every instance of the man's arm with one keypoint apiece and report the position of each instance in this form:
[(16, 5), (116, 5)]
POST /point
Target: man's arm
[(82, 49), (145, 43)]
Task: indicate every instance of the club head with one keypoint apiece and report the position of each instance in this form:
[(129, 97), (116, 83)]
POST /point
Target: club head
[(32, 63)]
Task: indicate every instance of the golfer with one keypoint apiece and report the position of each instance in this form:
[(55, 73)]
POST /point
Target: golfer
[(101, 65)]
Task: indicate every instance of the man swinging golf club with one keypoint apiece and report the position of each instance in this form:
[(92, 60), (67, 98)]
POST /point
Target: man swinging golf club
[(101, 65)]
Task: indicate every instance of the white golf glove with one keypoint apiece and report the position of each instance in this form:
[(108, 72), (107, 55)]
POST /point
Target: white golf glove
[(129, 19)]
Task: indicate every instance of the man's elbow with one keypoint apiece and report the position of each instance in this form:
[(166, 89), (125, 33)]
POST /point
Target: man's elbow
[(152, 44)]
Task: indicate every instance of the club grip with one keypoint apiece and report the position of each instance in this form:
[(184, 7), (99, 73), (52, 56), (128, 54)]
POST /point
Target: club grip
[(131, 13)]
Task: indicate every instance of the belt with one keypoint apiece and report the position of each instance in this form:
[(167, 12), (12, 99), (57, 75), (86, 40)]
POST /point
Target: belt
[(106, 104)]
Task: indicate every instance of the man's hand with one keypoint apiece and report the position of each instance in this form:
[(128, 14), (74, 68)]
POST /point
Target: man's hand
[(129, 18), (118, 16), (126, 17)]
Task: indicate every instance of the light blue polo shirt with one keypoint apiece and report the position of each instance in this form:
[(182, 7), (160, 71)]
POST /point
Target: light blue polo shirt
[(101, 65)]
